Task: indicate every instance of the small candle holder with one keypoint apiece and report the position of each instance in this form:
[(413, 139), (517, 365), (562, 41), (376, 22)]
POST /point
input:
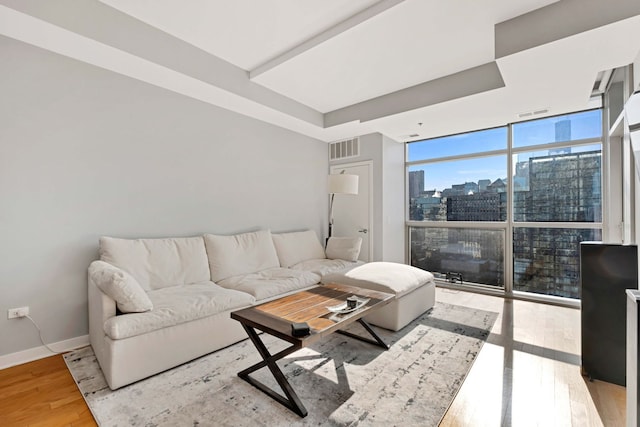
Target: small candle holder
[(352, 302)]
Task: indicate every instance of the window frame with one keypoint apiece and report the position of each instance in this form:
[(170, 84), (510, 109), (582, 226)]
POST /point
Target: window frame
[(509, 225)]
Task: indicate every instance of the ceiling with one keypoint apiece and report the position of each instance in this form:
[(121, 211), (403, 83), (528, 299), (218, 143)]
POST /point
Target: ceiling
[(334, 69)]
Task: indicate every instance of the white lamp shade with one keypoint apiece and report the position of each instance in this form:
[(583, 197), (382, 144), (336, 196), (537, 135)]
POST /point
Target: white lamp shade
[(343, 184)]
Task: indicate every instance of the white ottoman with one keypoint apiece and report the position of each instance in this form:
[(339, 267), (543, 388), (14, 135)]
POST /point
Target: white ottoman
[(415, 290)]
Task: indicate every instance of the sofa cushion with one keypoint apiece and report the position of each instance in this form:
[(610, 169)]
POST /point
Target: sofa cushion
[(325, 266), (240, 254), (272, 282), (158, 263), (347, 248), (390, 277), (120, 286), (177, 304), (297, 246)]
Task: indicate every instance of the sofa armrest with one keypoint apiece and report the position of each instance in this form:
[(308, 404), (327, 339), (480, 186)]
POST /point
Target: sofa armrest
[(100, 304), (101, 308)]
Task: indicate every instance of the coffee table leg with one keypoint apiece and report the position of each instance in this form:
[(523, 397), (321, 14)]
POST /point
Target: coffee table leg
[(378, 341), (291, 401)]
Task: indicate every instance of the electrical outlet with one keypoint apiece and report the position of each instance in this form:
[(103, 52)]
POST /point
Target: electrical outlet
[(13, 313)]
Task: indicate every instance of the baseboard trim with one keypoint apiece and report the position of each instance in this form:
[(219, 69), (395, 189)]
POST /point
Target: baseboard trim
[(41, 352)]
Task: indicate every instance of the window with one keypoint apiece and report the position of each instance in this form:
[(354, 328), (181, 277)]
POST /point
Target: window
[(546, 260), (465, 207), (458, 181), (459, 190), (561, 185), (472, 255), (569, 127), (455, 145)]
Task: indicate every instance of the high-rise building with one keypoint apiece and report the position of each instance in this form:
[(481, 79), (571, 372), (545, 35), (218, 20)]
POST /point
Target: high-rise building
[(416, 183), (563, 188), (563, 130)]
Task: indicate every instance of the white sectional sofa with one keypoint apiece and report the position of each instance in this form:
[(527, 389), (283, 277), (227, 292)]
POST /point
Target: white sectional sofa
[(158, 303)]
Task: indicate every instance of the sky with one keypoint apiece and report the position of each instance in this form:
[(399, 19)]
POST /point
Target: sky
[(441, 175)]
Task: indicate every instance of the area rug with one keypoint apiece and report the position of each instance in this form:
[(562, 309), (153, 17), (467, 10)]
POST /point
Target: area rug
[(341, 381)]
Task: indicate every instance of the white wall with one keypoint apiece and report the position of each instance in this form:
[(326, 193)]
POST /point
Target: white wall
[(370, 149), (393, 193), (85, 152)]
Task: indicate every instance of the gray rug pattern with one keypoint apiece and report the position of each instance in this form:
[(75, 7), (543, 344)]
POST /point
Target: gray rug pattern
[(341, 381)]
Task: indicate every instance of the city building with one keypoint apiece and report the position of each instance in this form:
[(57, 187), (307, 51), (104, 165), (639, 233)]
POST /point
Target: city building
[(416, 183), (497, 186), (486, 206), (561, 187), (483, 184)]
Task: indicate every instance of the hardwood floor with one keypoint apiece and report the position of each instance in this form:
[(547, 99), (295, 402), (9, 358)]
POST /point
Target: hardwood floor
[(528, 371), (41, 393), (527, 374)]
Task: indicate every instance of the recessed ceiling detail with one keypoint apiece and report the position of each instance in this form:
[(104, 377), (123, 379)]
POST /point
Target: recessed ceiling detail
[(320, 38), (332, 69), (458, 85)]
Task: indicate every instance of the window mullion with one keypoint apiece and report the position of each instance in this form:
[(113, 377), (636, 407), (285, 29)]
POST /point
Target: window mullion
[(508, 240)]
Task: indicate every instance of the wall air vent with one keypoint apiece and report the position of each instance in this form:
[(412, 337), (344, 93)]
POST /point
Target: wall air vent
[(344, 149), (408, 137), (533, 113)]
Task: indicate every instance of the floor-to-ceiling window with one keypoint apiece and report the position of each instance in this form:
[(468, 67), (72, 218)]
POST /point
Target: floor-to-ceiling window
[(507, 207)]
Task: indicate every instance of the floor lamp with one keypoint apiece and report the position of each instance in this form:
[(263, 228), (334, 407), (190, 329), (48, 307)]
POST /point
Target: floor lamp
[(340, 184)]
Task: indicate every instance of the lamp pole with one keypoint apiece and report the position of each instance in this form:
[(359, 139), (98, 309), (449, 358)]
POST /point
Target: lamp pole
[(331, 215), (340, 184)]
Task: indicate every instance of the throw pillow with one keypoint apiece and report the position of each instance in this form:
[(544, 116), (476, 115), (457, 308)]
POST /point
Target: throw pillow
[(346, 248), (298, 246), (121, 287), (240, 254), (158, 263)]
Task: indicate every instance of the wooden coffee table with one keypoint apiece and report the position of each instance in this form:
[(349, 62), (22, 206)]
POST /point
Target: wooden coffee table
[(310, 306)]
